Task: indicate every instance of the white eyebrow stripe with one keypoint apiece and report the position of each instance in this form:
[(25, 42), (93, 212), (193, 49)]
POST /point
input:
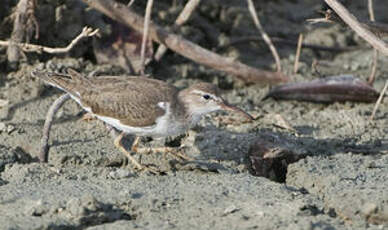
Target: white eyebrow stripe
[(201, 92)]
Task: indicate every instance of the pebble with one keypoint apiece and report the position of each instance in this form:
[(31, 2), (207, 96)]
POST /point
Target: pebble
[(3, 126), (120, 174), (230, 209), (3, 102), (369, 208)]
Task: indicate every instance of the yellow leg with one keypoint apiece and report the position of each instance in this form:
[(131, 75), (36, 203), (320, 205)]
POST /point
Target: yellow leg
[(175, 152), (135, 144), (119, 145)]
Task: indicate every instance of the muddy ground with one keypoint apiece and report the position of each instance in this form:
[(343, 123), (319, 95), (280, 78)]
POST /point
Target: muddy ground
[(339, 179)]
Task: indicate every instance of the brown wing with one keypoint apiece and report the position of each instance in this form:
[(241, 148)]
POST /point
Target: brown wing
[(132, 100)]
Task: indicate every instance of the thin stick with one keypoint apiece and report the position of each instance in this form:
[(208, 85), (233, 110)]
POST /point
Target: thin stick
[(246, 39), (86, 32), (130, 3), (247, 74), (371, 11), (265, 36), (378, 29), (297, 56), (44, 147), (182, 18), (18, 32), (352, 22), (145, 34), (378, 102), (372, 75)]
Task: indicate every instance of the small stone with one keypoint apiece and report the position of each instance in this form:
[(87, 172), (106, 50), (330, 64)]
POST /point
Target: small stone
[(230, 209), (75, 207), (120, 174), (3, 127), (90, 203), (10, 129), (372, 164), (270, 160), (3, 103), (37, 209), (369, 208)]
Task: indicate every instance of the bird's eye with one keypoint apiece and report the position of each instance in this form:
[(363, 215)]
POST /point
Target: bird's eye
[(206, 96)]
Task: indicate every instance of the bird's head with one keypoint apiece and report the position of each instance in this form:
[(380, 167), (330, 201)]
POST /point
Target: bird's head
[(203, 98)]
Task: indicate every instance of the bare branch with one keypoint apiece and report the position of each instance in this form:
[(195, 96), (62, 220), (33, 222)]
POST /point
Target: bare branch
[(371, 11), (44, 147), (352, 22), (265, 36), (182, 18), (378, 102), (298, 49), (145, 34), (372, 75), (373, 71), (19, 32), (130, 3), (122, 14), (246, 39), (86, 32)]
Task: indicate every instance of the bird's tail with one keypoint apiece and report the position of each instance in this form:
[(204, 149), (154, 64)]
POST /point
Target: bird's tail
[(70, 82)]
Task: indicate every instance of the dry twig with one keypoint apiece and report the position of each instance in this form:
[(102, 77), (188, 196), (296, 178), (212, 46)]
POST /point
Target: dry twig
[(145, 34), (24, 24), (283, 41), (373, 71), (86, 32), (372, 75), (44, 147), (265, 36), (122, 14), (379, 29), (352, 22), (182, 18), (130, 3), (378, 102), (371, 11), (297, 56)]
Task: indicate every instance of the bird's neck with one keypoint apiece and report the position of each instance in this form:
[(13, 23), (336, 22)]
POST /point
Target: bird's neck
[(187, 112)]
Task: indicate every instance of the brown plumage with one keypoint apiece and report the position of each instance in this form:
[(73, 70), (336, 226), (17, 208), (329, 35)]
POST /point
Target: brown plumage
[(139, 105), (119, 97)]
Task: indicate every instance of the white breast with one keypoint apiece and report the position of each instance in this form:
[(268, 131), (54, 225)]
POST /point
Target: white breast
[(162, 127)]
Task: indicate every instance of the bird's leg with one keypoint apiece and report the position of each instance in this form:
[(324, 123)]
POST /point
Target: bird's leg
[(120, 146), (173, 151), (135, 144), (114, 134), (179, 151)]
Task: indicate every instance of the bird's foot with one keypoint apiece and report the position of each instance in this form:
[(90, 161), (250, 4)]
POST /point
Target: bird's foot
[(177, 153), (138, 166)]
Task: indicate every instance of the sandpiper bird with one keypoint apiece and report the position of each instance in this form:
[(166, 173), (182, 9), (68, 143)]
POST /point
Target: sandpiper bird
[(139, 105)]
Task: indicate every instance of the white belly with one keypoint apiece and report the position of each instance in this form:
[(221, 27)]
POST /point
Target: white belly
[(162, 128)]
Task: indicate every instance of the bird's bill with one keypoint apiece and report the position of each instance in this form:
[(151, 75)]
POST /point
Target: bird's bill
[(225, 106)]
